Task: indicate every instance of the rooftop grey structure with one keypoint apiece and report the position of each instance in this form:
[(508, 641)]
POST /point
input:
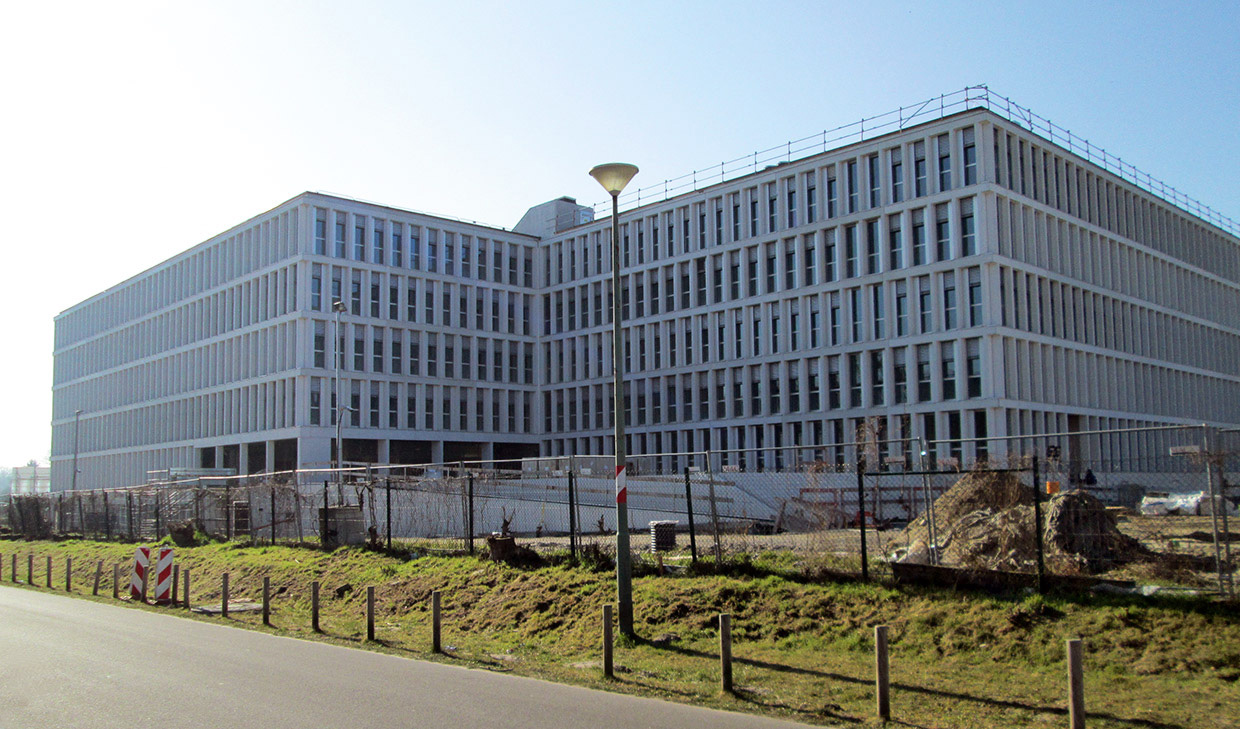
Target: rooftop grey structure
[(957, 279)]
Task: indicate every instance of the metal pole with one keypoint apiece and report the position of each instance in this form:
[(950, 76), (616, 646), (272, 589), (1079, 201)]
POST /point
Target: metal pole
[(470, 498), (228, 510), (624, 586), (689, 508), (436, 622), (865, 557), (714, 509), (273, 514), (314, 606), (267, 601), (572, 519), (1216, 503), (387, 487), (928, 494), (1037, 525), (77, 419), (224, 596), (337, 306)]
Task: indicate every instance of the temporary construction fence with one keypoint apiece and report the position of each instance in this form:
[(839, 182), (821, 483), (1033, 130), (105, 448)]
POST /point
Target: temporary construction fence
[(1146, 505)]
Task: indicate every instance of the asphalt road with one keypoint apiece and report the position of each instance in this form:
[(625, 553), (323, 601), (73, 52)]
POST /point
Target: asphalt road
[(76, 663)]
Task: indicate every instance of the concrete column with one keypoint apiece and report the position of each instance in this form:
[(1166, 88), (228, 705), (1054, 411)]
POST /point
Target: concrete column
[(243, 459), (270, 460), (384, 447)]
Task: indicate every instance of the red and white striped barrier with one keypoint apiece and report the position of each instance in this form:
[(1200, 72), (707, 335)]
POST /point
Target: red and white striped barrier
[(137, 582), (163, 577)]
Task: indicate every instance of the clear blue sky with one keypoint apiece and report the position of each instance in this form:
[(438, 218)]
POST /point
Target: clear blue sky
[(132, 131)]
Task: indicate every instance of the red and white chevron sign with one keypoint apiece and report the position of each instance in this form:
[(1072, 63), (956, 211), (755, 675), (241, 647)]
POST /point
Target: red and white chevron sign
[(622, 490), (141, 561), (163, 577)]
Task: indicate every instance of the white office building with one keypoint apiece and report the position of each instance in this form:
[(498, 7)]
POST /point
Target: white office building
[(963, 277)]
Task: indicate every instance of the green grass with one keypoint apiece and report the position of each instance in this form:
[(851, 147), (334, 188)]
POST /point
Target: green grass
[(803, 647)]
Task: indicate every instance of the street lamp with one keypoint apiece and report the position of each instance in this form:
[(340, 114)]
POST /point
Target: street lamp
[(77, 419), (338, 308), (613, 177)]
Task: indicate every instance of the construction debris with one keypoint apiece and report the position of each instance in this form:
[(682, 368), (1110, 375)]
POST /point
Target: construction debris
[(986, 521)]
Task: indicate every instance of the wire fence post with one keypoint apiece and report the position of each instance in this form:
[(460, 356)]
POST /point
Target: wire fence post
[(107, 517), (1217, 503), (572, 518), (689, 509), (273, 513), (1037, 524), (387, 511), (469, 497), (228, 512), (714, 510), (325, 521), (865, 558)]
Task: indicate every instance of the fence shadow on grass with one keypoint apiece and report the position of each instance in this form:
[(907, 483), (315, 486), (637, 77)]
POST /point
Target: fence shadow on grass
[(911, 688)]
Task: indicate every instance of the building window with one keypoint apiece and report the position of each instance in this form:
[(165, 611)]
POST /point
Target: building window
[(872, 245), (920, 252), (901, 309), (320, 232), (895, 243), (320, 344), (359, 348), (378, 253), (811, 198), (919, 169), (316, 400), (833, 382), (792, 205), (376, 354), (832, 193), (398, 247), (968, 237), (923, 304), (975, 297), (340, 243), (876, 378), (359, 238), (899, 373), (945, 161), (850, 169), (942, 232), (875, 182), (897, 175), (970, 158), (973, 368), (854, 380), (923, 374), (949, 300), (851, 253), (949, 371)]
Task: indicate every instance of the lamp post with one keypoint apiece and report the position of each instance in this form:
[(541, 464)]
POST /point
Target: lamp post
[(77, 419), (338, 308), (613, 177)]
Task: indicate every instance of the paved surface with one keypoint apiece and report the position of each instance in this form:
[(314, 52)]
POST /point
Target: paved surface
[(76, 663)]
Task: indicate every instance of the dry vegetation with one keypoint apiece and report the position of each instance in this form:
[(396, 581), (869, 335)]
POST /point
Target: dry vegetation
[(803, 648)]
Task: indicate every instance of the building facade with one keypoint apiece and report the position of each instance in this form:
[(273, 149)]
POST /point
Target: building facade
[(963, 278)]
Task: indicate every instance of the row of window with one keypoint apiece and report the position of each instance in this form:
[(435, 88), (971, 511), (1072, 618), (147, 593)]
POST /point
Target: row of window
[(774, 446), (397, 351), (915, 306), (877, 179), (852, 251), (243, 304), (413, 406), (390, 296), (452, 253), (1027, 167), (892, 376), (261, 245)]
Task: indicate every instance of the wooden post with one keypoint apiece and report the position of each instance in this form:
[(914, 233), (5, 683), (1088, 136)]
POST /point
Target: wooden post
[(881, 674), (725, 652), (68, 574), (30, 569), (98, 577), (608, 667), (146, 581), (176, 582), (370, 613), (116, 581), (224, 597), (185, 598), (314, 606), (13, 564), (266, 601), (49, 571), (436, 643), (1076, 686)]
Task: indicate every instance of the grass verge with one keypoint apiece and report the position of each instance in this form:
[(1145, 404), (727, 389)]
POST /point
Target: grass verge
[(803, 649)]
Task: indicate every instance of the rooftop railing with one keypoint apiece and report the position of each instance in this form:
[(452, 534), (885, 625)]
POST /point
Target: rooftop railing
[(938, 107)]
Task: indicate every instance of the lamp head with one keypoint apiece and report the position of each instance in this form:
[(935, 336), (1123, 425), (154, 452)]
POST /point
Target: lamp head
[(613, 176), (338, 306)]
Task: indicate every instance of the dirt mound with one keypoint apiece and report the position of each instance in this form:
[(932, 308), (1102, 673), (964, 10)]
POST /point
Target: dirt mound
[(986, 521)]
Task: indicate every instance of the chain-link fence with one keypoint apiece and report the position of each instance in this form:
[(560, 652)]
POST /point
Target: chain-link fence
[(1143, 506)]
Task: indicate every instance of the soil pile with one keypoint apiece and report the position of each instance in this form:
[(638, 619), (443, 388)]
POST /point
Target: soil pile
[(986, 521)]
